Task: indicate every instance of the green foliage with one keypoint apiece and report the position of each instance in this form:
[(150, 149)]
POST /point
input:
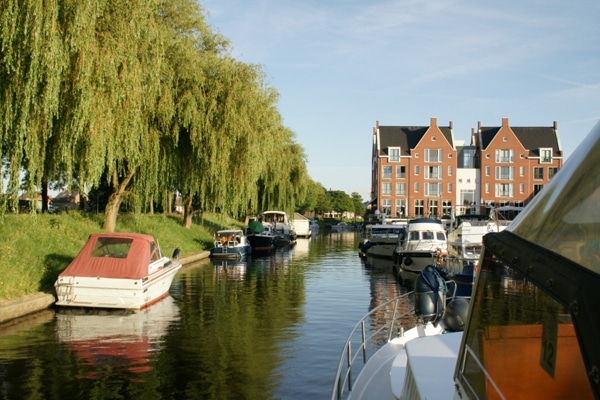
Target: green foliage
[(35, 249), (142, 97)]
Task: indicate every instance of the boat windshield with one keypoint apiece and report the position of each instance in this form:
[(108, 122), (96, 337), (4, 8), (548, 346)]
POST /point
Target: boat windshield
[(113, 247), (565, 216)]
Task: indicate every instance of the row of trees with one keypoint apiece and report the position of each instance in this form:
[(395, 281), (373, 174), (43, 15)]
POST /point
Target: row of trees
[(142, 97)]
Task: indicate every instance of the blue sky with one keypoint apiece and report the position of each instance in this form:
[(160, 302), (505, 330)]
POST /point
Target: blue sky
[(339, 66)]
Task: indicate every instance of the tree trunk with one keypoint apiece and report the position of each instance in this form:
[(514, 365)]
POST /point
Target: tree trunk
[(187, 212), (44, 195), (115, 199)]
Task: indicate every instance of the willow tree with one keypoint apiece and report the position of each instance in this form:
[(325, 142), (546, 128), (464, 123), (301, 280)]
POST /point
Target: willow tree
[(31, 62)]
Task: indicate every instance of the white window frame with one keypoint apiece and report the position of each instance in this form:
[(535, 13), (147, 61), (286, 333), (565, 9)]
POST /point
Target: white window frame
[(393, 154), (434, 155), (505, 156)]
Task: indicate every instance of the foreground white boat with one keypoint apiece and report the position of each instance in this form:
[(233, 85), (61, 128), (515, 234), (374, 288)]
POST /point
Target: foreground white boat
[(117, 270), (532, 325)]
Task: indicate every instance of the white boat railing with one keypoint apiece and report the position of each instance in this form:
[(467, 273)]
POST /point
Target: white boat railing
[(397, 315)]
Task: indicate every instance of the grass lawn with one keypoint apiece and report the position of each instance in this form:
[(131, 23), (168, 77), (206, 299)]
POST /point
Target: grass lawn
[(35, 248)]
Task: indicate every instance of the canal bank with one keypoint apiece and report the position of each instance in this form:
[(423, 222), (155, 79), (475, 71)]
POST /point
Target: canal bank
[(22, 306)]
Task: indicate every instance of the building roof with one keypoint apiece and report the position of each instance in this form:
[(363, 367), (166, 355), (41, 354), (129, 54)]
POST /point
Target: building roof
[(406, 137), (532, 138)]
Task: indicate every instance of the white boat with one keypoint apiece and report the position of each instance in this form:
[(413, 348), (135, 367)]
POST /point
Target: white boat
[(532, 326), (424, 242), (283, 229), (117, 270), (341, 227), (302, 225), (380, 240), (230, 244)]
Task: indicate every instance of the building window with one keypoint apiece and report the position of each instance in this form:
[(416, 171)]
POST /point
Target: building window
[(400, 188), (433, 189), (446, 208), (459, 180), (537, 189), (546, 155), (468, 158), (522, 170), (417, 187), (386, 206), (400, 208), (416, 170), (522, 188), (419, 208), (505, 139), (504, 173), (487, 187), (504, 190), (551, 172), (433, 155), (386, 171), (394, 154), (487, 171), (538, 173), (386, 189), (519, 203), (400, 172), (505, 156), (433, 172), (487, 156), (450, 188), (450, 170), (433, 208)]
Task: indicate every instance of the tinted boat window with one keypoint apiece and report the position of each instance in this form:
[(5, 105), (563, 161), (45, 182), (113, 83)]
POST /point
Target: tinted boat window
[(112, 247), (520, 343)]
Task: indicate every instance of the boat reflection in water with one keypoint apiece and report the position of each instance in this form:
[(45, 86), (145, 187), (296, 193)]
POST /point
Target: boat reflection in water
[(116, 342), (232, 269)]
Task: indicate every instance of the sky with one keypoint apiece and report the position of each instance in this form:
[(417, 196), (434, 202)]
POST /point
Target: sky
[(341, 65)]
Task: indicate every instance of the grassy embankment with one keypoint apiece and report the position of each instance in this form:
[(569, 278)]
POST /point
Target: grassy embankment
[(34, 249)]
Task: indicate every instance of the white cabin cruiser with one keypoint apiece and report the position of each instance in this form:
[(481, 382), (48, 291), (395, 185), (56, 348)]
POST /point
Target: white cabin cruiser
[(425, 241), (532, 325)]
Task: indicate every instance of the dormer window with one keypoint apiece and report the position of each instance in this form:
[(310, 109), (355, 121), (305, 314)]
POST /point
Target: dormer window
[(393, 154), (546, 155)]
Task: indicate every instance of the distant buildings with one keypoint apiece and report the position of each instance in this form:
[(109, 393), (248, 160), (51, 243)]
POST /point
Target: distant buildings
[(422, 171)]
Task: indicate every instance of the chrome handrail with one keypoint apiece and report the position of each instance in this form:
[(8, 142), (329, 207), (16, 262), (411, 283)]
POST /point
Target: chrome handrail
[(343, 377)]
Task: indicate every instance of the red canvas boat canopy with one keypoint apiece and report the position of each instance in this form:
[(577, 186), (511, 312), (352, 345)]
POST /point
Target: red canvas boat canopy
[(113, 255)]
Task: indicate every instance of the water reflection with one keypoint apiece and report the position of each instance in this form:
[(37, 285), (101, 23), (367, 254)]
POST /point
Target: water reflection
[(110, 342), (261, 328)]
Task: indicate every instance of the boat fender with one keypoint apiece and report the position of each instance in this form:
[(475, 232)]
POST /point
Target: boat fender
[(455, 315), (176, 253), (407, 261), (430, 295)]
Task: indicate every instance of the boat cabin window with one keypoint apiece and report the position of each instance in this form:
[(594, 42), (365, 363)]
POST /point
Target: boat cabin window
[(440, 236), (112, 247), (414, 235), (427, 235), (520, 342)]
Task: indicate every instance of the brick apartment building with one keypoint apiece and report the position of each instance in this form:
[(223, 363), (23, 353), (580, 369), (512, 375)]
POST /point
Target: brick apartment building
[(423, 171)]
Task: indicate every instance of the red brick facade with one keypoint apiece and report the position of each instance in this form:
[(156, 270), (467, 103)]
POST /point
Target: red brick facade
[(414, 169)]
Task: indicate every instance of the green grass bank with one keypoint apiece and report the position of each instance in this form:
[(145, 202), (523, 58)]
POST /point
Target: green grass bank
[(35, 248)]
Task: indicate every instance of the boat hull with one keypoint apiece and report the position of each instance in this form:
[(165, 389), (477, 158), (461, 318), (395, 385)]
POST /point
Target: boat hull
[(101, 292), (410, 264)]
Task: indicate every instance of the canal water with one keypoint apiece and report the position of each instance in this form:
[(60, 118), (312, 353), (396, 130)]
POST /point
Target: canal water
[(269, 328)]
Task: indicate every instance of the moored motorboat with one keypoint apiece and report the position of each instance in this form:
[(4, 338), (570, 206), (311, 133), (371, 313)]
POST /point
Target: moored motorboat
[(230, 244), (380, 240), (283, 229), (424, 242), (532, 329), (117, 270)]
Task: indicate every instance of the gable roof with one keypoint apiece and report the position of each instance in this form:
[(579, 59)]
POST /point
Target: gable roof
[(406, 137), (532, 138)]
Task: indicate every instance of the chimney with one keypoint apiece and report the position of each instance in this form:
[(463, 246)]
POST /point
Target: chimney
[(377, 124), (433, 122), (555, 124), (473, 138), (478, 126), (451, 125), (504, 122)]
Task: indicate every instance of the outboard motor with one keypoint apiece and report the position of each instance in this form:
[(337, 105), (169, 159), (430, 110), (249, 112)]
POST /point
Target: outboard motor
[(455, 316), (430, 295)]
